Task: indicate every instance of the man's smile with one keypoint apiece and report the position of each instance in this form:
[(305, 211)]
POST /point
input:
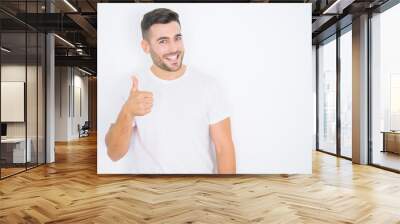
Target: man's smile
[(173, 58)]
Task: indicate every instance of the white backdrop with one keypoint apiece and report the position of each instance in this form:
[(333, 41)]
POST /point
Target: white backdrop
[(261, 53)]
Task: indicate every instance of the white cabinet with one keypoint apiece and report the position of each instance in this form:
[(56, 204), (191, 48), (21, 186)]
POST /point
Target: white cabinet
[(18, 149)]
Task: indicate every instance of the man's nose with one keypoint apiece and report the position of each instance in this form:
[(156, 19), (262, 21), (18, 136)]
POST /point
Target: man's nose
[(173, 47)]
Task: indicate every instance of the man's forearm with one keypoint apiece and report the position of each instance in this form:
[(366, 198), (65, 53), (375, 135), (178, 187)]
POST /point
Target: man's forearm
[(226, 159), (119, 135)]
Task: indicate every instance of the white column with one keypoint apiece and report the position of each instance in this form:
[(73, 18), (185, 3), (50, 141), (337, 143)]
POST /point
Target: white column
[(360, 90), (50, 91), (50, 110)]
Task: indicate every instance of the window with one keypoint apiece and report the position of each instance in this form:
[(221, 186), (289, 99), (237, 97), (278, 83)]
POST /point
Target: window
[(385, 89), (346, 93)]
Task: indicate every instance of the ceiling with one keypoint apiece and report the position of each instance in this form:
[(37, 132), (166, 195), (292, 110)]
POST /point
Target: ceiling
[(76, 22)]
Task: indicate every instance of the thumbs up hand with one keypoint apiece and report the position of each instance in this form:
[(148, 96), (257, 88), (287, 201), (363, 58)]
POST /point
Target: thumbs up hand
[(139, 103)]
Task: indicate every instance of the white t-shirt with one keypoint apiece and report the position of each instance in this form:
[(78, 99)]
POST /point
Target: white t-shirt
[(174, 137)]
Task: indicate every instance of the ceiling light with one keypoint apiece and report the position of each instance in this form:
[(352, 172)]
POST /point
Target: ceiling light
[(64, 40), (5, 50), (331, 7), (84, 71), (337, 7), (70, 5)]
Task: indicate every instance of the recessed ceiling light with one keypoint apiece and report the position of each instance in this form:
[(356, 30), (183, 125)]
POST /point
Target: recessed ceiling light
[(338, 6), (84, 71), (5, 50), (64, 40), (70, 5)]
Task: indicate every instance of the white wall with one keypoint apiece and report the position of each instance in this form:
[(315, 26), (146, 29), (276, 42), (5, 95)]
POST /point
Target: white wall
[(80, 85), (68, 81), (61, 103)]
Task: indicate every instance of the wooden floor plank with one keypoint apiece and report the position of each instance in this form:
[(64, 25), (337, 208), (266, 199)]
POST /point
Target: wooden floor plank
[(70, 191)]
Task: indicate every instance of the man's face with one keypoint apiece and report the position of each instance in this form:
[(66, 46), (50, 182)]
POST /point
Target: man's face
[(165, 45)]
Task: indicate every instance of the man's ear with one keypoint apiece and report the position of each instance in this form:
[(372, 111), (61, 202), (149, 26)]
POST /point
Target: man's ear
[(145, 46)]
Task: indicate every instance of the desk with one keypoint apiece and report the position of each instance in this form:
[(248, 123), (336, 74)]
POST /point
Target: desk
[(15, 148), (391, 141)]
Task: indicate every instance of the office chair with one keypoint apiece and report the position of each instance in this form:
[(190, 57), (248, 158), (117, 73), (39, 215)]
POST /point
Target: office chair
[(84, 130)]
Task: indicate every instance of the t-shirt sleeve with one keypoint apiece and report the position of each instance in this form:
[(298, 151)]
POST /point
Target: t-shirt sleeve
[(218, 106)]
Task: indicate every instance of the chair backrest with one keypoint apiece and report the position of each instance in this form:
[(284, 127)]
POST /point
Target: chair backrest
[(86, 124)]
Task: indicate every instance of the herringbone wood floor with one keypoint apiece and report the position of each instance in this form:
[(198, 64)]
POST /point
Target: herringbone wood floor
[(70, 191)]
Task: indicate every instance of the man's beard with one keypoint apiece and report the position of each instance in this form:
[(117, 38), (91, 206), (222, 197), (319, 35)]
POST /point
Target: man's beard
[(159, 62)]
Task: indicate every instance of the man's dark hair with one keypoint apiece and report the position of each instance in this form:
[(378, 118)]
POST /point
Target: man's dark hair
[(158, 16)]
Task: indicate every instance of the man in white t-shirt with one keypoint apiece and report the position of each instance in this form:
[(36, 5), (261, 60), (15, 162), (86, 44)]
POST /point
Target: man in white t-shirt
[(175, 120)]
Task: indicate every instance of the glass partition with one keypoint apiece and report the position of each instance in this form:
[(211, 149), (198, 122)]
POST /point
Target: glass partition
[(327, 96), (22, 77), (31, 100), (41, 85), (13, 109)]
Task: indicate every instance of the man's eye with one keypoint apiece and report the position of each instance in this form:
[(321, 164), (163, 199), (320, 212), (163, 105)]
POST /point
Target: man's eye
[(163, 41), (179, 38)]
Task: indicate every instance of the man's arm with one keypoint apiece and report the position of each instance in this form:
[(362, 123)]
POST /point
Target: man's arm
[(222, 137), (119, 135)]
